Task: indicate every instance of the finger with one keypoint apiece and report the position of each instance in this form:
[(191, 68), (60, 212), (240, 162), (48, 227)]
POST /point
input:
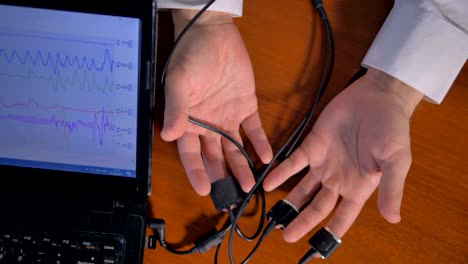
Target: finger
[(292, 165), (255, 133), (213, 157), (344, 217), (237, 162), (190, 155), (176, 109), (322, 204), (394, 171), (304, 190)]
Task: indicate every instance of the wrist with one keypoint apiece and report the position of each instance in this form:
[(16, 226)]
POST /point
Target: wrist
[(406, 96), (210, 18)]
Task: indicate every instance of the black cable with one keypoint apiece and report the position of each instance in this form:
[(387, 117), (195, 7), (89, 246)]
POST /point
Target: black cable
[(243, 236), (216, 257), (298, 130), (254, 250), (190, 251), (332, 49), (228, 137), (257, 185), (250, 194), (260, 224), (322, 84), (270, 227), (296, 134), (159, 228), (238, 231), (201, 246), (308, 256), (227, 225), (179, 38)]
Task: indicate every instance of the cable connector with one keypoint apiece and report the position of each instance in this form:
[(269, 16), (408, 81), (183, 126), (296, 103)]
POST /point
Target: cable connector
[(159, 228), (269, 228), (282, 213), (201, 246), (210, 241), (324, 243), (317, 3), (150, 242)]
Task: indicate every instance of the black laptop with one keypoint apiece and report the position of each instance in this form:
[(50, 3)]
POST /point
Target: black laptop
[(76, 100)]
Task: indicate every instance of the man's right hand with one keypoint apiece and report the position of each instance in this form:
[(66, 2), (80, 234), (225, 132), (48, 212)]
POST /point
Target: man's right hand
[(360, 141)]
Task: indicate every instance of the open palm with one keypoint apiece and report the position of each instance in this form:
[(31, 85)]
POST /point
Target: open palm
[(211, 79), (360, 140)]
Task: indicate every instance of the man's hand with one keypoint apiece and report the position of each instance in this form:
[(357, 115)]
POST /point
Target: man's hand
[(211, 78), (361, 139)]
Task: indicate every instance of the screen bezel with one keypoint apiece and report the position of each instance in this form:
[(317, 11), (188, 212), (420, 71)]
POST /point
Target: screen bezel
[(44, 180)]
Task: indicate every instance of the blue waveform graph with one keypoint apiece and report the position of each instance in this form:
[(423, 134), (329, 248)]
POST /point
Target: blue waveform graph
[(57, 60)]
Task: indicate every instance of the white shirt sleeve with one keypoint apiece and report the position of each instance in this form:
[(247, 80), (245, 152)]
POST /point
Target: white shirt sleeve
[(423, 43), (233, 7)]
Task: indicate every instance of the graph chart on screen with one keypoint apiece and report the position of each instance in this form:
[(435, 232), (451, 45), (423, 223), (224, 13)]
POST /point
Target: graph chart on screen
[(69, 98)]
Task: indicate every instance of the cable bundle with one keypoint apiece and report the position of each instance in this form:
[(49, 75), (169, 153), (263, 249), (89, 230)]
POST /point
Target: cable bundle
[(216, 238)]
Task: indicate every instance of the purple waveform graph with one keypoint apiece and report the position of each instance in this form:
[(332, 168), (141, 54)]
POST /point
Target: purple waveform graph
[(98, 122)]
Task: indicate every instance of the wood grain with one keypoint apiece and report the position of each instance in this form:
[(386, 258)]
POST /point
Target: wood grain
[(284, 39)]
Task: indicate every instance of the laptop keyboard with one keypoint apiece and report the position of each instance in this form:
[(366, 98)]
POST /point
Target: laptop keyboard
[(71, 248)]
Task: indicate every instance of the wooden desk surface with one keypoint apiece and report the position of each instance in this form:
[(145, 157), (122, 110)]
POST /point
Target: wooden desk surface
[(284, 39)]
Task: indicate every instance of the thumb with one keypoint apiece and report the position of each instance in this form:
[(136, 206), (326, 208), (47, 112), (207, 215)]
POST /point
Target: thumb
[(176, 109), (394, 172)]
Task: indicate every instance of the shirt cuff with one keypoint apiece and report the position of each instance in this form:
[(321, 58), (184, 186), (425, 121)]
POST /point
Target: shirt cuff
[(419, 48), (233, 7)]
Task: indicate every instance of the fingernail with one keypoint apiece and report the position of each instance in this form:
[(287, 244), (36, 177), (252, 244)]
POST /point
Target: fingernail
[(267, 188)]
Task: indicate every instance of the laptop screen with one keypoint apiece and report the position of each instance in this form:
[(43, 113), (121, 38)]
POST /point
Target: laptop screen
[(69, 91)]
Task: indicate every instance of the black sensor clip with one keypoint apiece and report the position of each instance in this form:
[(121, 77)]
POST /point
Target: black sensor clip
[(282, 213), (226, 193), (325, 242)]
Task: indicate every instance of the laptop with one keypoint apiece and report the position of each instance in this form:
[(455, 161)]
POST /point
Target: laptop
[(76, 99)]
